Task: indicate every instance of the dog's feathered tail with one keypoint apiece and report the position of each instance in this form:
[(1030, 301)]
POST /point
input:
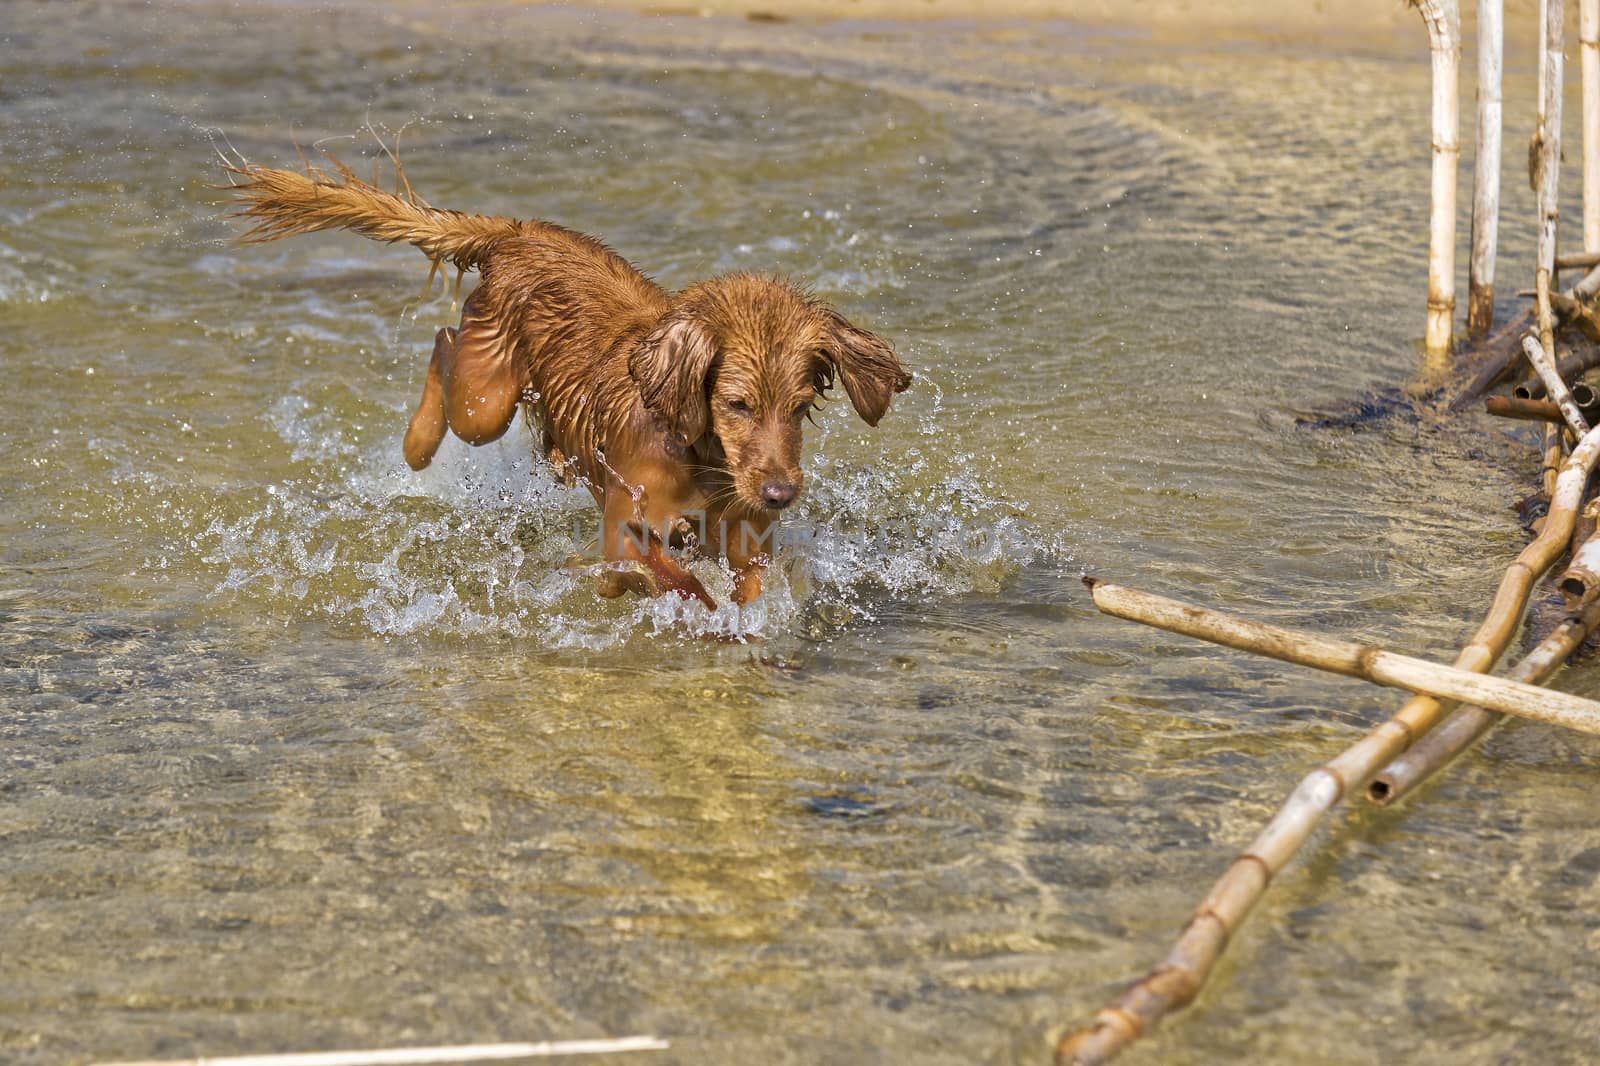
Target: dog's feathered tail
[(286, 202)]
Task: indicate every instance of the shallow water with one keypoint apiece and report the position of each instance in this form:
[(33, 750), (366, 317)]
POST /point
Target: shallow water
[(306, 751)]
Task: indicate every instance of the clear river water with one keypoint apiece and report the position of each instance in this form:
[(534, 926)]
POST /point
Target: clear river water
[(300, 750)]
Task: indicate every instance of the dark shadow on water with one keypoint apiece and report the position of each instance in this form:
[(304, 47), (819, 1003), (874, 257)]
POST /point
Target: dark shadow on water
[(1375, 409)]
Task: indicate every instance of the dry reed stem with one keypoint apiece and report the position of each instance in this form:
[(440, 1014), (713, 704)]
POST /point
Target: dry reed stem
[(1486, 171), (1458, 732), (1545, 367), (1178, 978), (1378, 665)]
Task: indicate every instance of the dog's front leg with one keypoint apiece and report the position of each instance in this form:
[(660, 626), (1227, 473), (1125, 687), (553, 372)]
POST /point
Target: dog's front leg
[(636, 561), (747, 580), (749, 551)]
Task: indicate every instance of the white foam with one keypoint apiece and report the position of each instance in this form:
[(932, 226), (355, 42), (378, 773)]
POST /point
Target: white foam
[(488, 540)]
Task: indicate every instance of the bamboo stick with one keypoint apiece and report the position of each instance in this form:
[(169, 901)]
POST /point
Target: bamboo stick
[(1547, 142), (418, 1056), (1179, 977), (1568, 366), (1486, 171), (1500, 355), (1580, 585), (1546, 157), (1587, 397), (1550, 460), (1443, 21), (1557, 389), (1524, 410), (1578, 260), (1588, 286), (1351, 659), (1589, 60), (1458, 732), (1576, 313)]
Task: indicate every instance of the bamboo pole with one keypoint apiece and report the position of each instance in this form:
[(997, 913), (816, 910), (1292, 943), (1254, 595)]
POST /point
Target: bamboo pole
[(1351, 659), (1547, 184), (1443, 20), (1576, 313), (1554, 387), (1568, 366), (1589, 59), (1550, 459), (1547, 142), (417, 1056), (1458, 732), (1178, 978), (1580, 585), (1547, 158), (1524, 410), (1486, 171), (1587, 397)]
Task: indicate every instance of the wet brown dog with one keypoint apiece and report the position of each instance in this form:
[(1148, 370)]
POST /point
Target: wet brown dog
[(681, 412)]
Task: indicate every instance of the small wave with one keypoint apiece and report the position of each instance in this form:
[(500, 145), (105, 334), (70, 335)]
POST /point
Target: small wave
[(20, 285)]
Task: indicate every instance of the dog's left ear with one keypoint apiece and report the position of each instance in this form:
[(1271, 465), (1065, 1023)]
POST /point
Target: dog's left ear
[(865, 363), (670, 367)]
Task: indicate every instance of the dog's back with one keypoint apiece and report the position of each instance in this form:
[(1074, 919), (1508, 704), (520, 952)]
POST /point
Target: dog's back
[(549, 324)]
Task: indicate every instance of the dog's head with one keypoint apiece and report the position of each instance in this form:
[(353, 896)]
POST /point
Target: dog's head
[(744, 359)]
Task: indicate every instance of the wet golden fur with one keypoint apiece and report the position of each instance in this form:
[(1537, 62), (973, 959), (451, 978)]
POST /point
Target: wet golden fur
[(678, 410)]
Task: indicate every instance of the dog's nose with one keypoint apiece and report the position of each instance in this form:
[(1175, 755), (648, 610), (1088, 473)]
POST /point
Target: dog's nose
[(778, 494)]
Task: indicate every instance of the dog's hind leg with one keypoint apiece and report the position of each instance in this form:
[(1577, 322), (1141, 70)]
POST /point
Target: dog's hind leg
[(427, 423), (481, 383)]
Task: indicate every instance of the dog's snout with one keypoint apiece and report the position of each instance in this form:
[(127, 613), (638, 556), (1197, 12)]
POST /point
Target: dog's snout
[(778, 494)]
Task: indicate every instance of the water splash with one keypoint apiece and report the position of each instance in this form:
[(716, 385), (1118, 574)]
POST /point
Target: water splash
[(490, 540)]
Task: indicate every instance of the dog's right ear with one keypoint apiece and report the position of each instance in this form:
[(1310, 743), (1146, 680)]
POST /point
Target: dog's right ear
[(670, 366)]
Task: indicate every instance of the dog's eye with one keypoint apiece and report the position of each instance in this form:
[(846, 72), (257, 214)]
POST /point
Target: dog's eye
[(739, 407)]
